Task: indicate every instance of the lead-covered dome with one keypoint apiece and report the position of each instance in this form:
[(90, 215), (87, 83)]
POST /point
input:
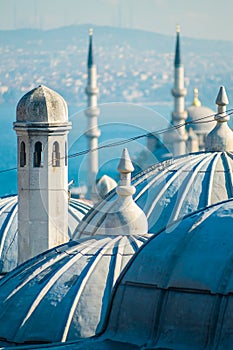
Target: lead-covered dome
[(42, 105), (196, 112), (63, 294), (9, 227), (170, 190), (177, 291)]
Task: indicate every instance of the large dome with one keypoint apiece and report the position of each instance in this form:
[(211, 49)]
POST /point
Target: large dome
[(177, 292), (172, 189), (9, 228), (63, 294)]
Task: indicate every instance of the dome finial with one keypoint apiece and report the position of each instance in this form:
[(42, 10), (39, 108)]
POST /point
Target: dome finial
[(177, 28), (125, 217), (90, 31), (196, 101), (221, 137), (222, 102)]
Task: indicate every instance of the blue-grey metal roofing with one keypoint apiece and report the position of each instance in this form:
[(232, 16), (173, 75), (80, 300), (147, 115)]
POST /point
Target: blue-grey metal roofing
[(177, 292), (172, 189), (9, 228), (63, 294)]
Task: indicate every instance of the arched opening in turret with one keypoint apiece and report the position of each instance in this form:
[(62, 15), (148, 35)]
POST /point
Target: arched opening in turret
[(38, 155), (22, 156), (56, 155)]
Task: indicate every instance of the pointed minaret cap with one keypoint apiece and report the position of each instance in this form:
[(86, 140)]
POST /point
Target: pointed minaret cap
[(177, 61), (90, 60), (125, 217), (221, 137)]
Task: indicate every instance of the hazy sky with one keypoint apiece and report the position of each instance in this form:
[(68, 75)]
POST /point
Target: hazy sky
[(211, 19)]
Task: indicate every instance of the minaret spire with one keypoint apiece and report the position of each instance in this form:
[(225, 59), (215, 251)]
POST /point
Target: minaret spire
[(179, 114), (90, 60), (177, 61), (92, 113), (221, 137)]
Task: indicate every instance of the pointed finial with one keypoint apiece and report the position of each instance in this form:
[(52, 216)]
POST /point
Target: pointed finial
[(222, 98), (125, 166), (125, 217), (90, 31), (221, 137), (90, 60), (177, 61), (222, 102), (196, 101)]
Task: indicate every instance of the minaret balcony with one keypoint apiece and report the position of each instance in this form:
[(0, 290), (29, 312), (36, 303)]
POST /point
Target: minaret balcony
[(179, 92)]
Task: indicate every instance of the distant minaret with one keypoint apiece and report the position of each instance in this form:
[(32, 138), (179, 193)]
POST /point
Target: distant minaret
[(179, 114), (92, 113), (42, 126)]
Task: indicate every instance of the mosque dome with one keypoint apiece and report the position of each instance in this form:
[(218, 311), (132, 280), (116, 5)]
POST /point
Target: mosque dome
[(72, 283), (42, 105), (63, 293), (195, 112), (176, 293), (170, 190), (9, 227)]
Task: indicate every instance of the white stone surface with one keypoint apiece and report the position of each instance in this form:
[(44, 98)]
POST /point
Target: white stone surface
[(43, 193)]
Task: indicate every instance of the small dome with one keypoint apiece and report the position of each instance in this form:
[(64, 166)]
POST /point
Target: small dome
[(104, 185), (197, 111), (63, 294), (177, 291), (9, 228), (172, 189), (42, 105)]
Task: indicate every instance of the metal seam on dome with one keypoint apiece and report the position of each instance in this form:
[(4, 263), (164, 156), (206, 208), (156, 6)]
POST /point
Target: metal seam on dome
[(157, 175), (229, 173), (188, 184), (8, 221), (175, 175), (211, 179), (92, 265), (55, 258), (57, 274)]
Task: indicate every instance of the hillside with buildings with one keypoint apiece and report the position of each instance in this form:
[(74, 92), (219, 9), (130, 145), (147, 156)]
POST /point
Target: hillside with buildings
[(133, 65)]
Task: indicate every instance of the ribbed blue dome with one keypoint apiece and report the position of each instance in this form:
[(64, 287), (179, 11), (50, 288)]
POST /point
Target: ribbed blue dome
[(172, 189), (177, 292), (9, 228), (63, 294)]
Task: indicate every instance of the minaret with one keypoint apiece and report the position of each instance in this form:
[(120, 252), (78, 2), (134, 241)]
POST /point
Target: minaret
[(92, 113), (42, 127), (221, 137), (179, 115)]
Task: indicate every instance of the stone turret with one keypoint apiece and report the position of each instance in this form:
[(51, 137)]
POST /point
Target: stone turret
[(42, 126)]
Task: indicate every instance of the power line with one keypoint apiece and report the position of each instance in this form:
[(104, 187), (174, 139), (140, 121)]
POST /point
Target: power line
[(200, 120)]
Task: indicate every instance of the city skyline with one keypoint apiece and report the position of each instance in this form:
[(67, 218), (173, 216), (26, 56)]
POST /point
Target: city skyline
[(198, 19)]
